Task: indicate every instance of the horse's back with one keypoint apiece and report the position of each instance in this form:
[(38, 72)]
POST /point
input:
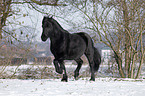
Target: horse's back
[(89, 42), (86, 38), (76, 46)]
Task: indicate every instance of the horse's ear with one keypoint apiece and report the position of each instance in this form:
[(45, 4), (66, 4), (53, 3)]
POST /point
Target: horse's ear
[(45, 17), (51, 16)]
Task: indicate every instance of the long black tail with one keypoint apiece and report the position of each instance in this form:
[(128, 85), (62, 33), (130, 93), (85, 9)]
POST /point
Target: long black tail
[(90, 45), (97, 59)]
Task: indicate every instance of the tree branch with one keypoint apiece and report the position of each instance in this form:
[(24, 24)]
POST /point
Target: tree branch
[(39, 3)]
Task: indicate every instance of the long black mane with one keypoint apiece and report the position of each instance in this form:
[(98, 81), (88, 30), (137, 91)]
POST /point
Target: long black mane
[(58, 26), (66, 46)]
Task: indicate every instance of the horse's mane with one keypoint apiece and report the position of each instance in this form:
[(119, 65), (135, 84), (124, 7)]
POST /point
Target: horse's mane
[(57, 24)]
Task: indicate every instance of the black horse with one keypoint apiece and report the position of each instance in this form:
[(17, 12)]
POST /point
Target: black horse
[(66, 46)]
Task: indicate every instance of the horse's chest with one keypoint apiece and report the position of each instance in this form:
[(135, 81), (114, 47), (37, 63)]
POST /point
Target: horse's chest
[(58, 49)]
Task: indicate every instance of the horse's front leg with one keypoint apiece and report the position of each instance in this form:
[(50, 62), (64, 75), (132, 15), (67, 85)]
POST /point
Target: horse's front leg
[(65, 77), (57, 66)]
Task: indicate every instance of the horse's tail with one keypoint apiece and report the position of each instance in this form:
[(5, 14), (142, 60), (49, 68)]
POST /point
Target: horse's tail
[(97, 59)]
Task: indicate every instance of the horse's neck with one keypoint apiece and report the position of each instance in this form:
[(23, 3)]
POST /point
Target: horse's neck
[(59, 36)]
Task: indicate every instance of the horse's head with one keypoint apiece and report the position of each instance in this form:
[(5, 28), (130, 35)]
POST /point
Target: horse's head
[(47, 28)]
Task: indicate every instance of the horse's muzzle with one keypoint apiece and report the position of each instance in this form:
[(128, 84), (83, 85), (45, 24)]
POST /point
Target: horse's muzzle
[(43, 38)]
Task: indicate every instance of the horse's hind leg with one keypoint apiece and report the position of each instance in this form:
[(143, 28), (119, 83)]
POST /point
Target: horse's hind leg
[(76, 72), (91, 63)]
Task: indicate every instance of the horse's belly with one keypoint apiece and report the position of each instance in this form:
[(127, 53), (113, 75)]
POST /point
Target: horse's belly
[(76, 53)]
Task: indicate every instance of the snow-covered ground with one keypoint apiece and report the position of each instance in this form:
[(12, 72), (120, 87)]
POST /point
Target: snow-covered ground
[(81, 87), (104, 85)]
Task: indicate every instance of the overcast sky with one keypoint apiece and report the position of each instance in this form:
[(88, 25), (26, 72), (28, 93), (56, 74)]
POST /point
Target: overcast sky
[(32, 19)]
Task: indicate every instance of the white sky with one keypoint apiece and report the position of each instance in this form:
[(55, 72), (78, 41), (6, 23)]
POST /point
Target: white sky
[(34, 19)]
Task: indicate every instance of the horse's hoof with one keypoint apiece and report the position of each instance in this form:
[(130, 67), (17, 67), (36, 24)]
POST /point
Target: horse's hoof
[(76, 78), (76, 74), (92, 79), (64, 80)]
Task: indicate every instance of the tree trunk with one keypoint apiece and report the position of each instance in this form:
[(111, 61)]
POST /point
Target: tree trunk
[(119, 62), (142, 55), (127, 40), (4, 13)]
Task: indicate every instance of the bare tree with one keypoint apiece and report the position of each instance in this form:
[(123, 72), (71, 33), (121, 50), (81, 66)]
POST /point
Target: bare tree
[(10, 34), (119, 24), (122, 31), (5, 11)]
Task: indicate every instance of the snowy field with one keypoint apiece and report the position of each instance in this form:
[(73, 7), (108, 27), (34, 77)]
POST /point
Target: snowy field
[(81, 87), (104, 85)]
